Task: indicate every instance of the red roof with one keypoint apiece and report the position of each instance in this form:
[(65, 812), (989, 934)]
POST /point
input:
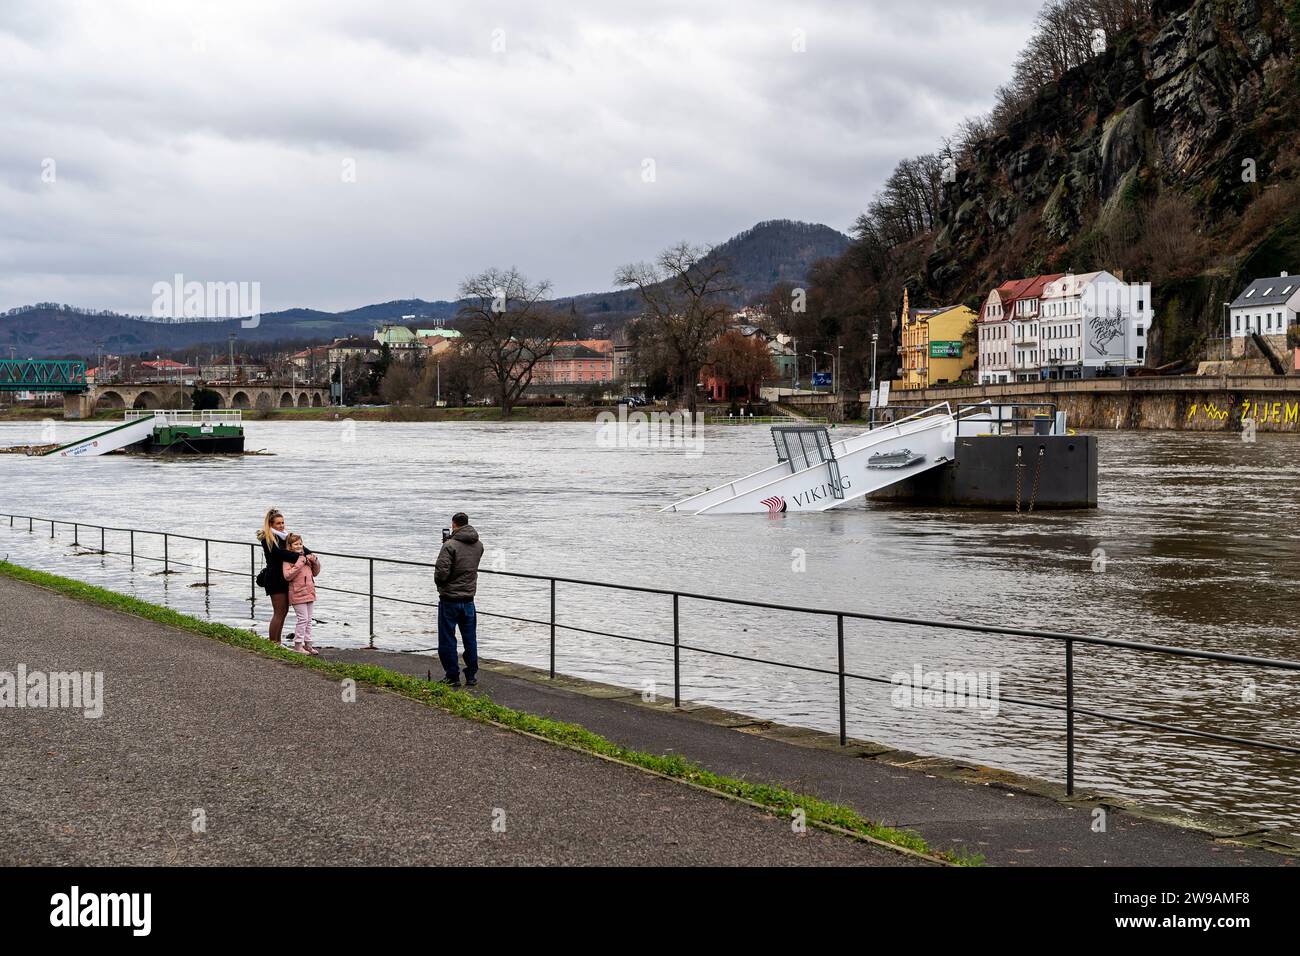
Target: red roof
[(1014, 290)]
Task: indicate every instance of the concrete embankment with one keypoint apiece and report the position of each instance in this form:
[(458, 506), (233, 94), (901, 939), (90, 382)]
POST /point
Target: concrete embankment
[(1183, 403)]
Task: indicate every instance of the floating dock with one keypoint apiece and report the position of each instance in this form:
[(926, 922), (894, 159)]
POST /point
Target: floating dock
[(163, 433), (979, 456)]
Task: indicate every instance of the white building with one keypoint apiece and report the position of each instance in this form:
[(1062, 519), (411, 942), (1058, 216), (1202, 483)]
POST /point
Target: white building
[(1009, 346), (1063, 327), (994, 335), (1094, 322), (1267, 306)]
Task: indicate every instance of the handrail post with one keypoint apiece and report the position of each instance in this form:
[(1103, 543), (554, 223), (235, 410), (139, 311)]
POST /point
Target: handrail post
[(76, 535), (1069, 717), (552, 628), (102, 548), (252, 581), (166, 554), (207, 566), (677, 654), (132, 547), (372, 603), (844, 737)]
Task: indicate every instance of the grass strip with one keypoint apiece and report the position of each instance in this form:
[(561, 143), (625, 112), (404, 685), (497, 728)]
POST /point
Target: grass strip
[(777, 800)]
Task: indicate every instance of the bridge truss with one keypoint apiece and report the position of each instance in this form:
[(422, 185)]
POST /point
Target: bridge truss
[(28, 375)]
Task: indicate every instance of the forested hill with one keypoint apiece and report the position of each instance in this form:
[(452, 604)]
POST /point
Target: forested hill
[(775, 252), (778, 251)]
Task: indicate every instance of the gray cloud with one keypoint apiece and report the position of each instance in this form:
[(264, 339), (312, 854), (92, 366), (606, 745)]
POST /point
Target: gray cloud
[(210, 139)]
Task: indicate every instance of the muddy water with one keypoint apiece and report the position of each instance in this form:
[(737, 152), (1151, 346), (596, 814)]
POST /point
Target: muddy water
[(1195, 544)]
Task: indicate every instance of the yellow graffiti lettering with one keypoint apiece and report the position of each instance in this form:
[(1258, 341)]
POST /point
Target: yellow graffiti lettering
[(1191, 412), (1245, 410), (1277, 412), (1293, 414)]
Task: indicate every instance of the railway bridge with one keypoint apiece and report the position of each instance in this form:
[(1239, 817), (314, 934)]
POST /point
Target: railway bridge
[(82, 399), (262, 396)]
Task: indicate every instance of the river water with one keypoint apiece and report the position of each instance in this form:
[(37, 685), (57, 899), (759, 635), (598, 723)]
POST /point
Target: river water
[(1195, 543)]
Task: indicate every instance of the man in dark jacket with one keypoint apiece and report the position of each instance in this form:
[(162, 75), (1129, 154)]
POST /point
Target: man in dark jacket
[(456, 574)]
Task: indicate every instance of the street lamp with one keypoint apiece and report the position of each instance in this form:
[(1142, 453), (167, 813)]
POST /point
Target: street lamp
[(813, 356), (1227, 330), (875, 336)]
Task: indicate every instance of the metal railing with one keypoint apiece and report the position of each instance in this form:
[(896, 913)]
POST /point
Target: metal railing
[(841, 674), (999, 422), (763, 420), (209, 417)]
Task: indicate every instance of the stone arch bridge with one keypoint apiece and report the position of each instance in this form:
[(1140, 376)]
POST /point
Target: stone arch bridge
[(260, 396)]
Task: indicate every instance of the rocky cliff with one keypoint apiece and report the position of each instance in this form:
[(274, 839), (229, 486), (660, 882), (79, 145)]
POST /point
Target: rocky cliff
[(1171, 156)]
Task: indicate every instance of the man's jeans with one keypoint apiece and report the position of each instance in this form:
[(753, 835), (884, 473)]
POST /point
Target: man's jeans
[(451, 613)]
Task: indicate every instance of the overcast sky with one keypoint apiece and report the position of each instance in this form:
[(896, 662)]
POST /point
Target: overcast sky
[(344, 153)]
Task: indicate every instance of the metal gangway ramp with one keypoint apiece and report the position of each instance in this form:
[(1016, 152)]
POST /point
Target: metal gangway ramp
[(814, 473), (805, 446)]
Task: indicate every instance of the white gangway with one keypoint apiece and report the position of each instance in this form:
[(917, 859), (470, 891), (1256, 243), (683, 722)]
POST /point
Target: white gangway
[(815, 474)]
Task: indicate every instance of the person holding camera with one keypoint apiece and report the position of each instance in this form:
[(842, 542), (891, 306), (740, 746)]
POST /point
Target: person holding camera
[(456, 575)]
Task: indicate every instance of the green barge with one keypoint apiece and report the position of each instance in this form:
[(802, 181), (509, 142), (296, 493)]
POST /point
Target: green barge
[(195, 438), (163, 433)]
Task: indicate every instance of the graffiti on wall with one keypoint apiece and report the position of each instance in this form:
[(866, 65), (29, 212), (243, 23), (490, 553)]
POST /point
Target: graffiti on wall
[(1286, 414)]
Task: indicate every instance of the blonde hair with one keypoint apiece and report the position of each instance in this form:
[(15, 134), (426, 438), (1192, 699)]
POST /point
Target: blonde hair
[(265, 536), (293, 539)]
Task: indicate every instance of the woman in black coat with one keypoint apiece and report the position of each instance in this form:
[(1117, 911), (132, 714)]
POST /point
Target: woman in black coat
[(272, 579)]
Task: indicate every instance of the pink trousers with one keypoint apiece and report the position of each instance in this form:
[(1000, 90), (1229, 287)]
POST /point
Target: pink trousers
[(302, 623)]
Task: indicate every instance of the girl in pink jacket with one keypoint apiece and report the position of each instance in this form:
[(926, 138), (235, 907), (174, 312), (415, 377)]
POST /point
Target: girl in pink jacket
[(301, 575)]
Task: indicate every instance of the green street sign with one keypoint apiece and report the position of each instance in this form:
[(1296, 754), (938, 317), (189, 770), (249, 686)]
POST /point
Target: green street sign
[(945, 350)]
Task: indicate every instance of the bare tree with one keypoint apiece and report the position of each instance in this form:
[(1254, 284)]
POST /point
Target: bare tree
[(687, 298), (741, 360), (455, 376), (1067, 34), (509, 327), (398, 384), (909, 202)]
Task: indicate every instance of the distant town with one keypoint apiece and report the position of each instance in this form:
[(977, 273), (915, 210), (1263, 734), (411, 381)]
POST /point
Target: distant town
[(1033, 329)]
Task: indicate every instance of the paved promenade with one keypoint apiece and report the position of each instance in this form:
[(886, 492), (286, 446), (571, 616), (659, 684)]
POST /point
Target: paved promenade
[(278, 769), (1006, 826)]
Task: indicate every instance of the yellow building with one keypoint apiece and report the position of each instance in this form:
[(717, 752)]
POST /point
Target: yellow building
[(932, 348)]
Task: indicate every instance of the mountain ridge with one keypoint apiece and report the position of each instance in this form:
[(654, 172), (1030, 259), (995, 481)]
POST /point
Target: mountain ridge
[(771, 251)]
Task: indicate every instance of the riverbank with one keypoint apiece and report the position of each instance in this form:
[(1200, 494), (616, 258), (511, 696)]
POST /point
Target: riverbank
[(961, 811), (384, 413), (337, 749), (1264, 403)]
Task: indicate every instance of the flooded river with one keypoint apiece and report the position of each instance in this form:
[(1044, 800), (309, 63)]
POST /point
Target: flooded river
[(1195, 544)]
